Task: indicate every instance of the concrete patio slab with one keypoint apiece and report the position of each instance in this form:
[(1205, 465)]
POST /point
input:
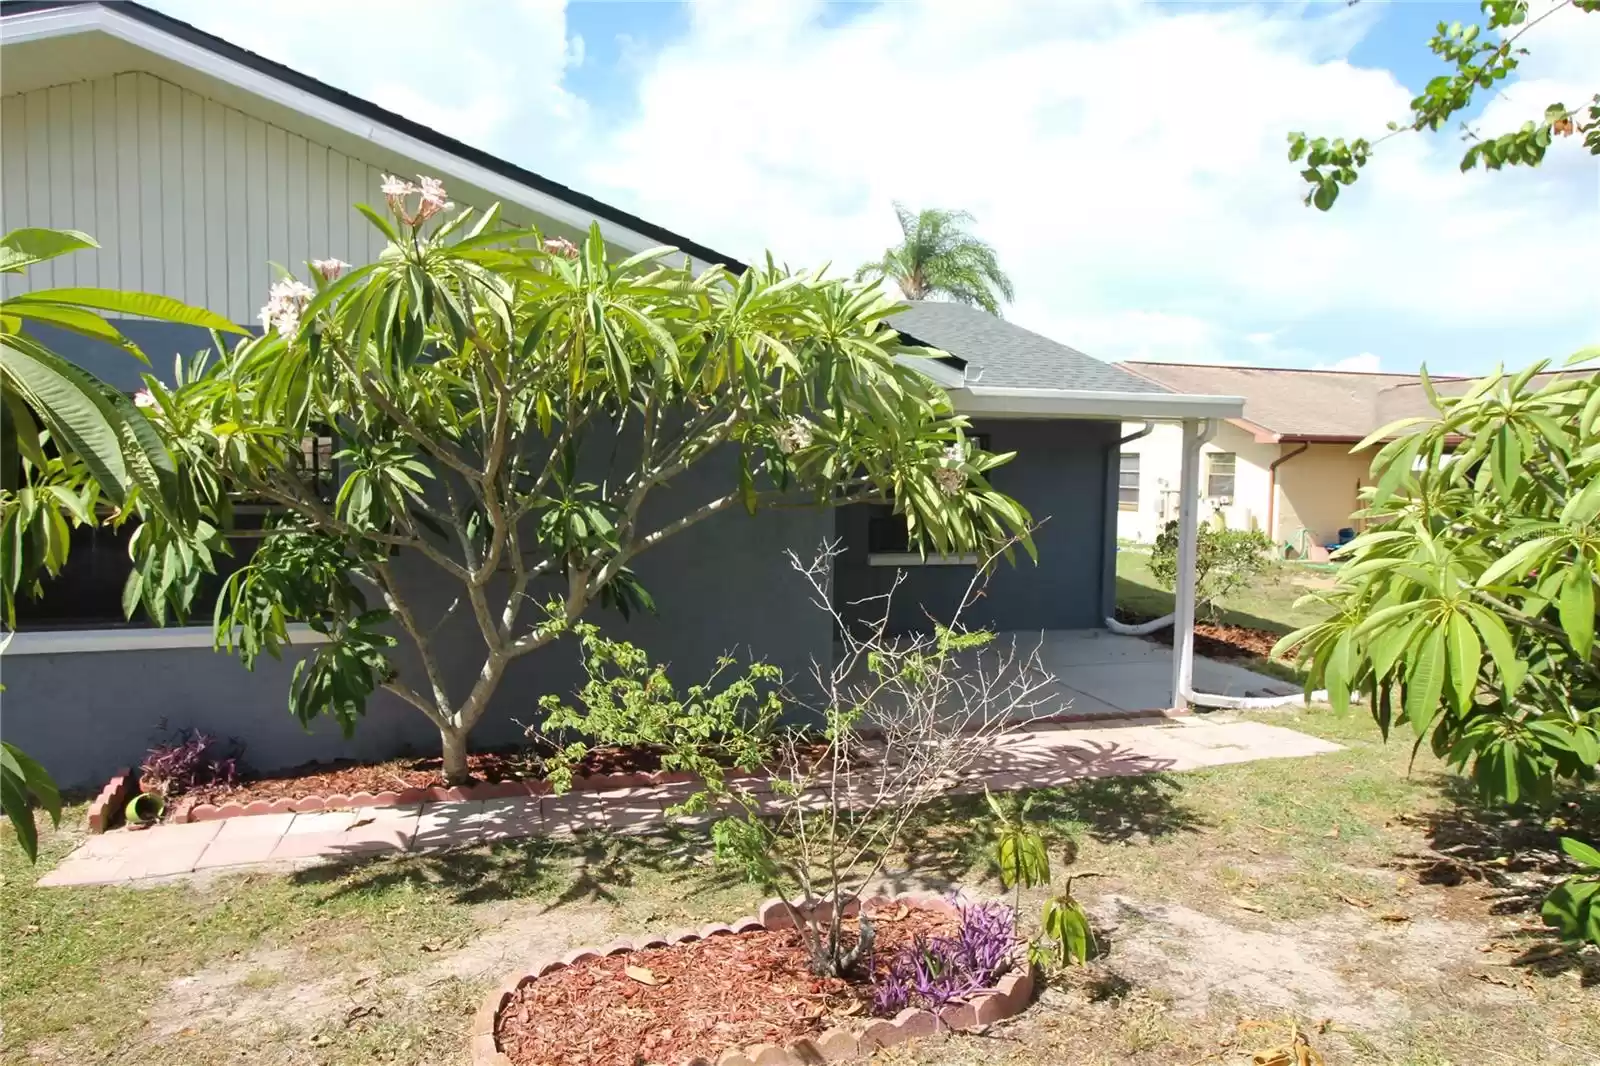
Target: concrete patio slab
[(1035, 758)]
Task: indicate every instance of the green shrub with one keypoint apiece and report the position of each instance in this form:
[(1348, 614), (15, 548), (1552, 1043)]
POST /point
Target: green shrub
[(1226, 560)]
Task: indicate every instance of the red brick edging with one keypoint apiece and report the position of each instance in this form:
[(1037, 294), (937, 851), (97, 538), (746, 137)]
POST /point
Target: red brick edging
[(1009, 997), (107, 806)]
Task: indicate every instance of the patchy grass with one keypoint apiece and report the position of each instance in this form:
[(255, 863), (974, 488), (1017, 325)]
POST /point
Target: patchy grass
[(1229, 901), (1269, 603)]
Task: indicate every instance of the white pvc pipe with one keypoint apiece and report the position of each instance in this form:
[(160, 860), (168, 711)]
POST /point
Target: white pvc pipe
[(1213, 699)]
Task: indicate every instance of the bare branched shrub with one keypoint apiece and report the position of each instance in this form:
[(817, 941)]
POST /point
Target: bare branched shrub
[(903, 720)]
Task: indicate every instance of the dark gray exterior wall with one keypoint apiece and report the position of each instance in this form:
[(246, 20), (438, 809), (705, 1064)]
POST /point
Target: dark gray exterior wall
[(724, 585), (1061, 475)]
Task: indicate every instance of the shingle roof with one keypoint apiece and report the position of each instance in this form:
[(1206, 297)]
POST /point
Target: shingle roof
[(1001, 354), (1334, 404)]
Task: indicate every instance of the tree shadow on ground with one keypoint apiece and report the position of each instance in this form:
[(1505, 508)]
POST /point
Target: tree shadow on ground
[(1513, 855), (951, 838), (586, 868)]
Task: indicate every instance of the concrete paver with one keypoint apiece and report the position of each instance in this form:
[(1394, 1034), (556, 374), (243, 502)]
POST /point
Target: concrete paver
[(1040, 757)]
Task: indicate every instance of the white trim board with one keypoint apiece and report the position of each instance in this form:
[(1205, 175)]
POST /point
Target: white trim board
[(917, 559), (81, 641)]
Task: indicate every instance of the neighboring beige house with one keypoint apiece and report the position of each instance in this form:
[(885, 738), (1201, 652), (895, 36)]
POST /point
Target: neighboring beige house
[(1284, 468)]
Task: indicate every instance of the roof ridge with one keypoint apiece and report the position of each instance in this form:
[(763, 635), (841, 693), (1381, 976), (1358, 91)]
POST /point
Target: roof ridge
[(1409, 375)]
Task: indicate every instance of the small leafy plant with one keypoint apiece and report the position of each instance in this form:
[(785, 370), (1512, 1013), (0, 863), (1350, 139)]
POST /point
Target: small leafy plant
[(630, 702), (1024, 862), (1573, 906), (1225, 561), (191, 761), (931, 972)]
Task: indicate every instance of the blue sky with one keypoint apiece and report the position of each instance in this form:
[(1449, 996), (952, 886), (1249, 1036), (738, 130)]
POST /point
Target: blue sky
[(1125, 159)]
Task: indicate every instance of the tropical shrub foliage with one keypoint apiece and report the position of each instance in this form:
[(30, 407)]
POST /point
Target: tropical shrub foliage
[(628, 701), (1466, 610), (1225, 561), (85, 453), (506, 410)]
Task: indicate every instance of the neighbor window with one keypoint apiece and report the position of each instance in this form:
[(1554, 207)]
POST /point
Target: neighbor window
[(1128, 482), (1219, 474)]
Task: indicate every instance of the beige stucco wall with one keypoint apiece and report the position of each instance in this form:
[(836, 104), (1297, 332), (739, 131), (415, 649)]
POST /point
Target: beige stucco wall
[(1160, 464), (1318, 490)]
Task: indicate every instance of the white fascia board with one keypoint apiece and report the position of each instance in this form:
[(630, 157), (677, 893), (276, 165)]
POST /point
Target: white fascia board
[(64, 22), (942, 374), (128, 638), (996, 401)]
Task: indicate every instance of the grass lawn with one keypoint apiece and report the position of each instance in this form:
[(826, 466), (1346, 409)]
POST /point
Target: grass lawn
[(1269, 603), (1228, 902)]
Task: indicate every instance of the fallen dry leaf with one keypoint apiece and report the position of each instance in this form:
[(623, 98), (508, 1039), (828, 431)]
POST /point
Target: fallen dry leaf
[(1538, 953), (1362, 903), (1497, 979), (1394, 916), (1242, 905), (643, 974)]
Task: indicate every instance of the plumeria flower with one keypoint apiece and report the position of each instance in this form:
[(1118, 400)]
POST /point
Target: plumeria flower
[(285, 301), (560, 246), (144, 398), (330, 269), (433, 194), (794, 436)]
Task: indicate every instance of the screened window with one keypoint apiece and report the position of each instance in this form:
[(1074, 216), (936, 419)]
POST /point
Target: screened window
[(1219, 474), (1128, 482)]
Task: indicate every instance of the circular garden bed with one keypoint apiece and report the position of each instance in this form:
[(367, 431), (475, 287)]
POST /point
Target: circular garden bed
[(738, 995)]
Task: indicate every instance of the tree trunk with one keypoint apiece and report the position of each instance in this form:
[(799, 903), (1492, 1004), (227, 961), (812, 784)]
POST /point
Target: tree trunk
[(455, 755)]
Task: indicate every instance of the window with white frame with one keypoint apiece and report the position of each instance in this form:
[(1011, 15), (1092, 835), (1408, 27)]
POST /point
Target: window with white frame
[(1128, 482), (1219, 474)]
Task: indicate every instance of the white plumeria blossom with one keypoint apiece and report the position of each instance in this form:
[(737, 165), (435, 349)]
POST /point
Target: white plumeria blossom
[(285, 301), (394, 186), (560, 246), (433, 194), (144, 398), (330, 269), (794, 436)]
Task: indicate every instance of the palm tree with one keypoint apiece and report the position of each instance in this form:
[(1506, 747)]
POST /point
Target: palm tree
[(939, 259)]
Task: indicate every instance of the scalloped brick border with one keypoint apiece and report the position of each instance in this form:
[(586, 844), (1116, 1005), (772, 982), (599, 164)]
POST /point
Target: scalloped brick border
[(106, 808), (1008, 998)]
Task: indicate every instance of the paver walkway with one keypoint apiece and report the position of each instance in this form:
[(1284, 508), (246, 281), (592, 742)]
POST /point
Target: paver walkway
[(1034, 759)]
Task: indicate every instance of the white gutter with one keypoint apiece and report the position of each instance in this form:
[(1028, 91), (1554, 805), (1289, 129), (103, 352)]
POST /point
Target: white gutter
[(999, 401), (69, 21)]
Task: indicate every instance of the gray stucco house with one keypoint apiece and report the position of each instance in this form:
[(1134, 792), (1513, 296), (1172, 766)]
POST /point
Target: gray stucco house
[(196, 164)]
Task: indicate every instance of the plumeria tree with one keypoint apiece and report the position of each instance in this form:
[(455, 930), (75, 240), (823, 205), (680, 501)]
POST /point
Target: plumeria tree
[(475, 378)]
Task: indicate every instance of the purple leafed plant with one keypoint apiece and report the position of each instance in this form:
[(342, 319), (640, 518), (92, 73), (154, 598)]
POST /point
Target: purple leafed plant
[(933, 971), (191, 761)]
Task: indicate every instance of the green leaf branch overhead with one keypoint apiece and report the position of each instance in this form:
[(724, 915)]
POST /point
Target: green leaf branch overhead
[(1480, 60), (507, 411), (86, 454)]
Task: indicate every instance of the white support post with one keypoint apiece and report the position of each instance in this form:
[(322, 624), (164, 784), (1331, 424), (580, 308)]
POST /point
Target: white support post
[(1195, 433)]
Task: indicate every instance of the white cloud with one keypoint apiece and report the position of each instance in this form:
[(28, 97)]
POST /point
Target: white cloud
[(489, 74), (1128, 163), (1366, 362)]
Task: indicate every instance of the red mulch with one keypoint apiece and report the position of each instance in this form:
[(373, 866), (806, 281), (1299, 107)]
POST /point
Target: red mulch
[(711, 995), (1215, 640), (347, 777)]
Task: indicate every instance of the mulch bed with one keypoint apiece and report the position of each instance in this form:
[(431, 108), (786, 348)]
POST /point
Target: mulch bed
[(1216, 640), (348, 777), (711, 995)]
